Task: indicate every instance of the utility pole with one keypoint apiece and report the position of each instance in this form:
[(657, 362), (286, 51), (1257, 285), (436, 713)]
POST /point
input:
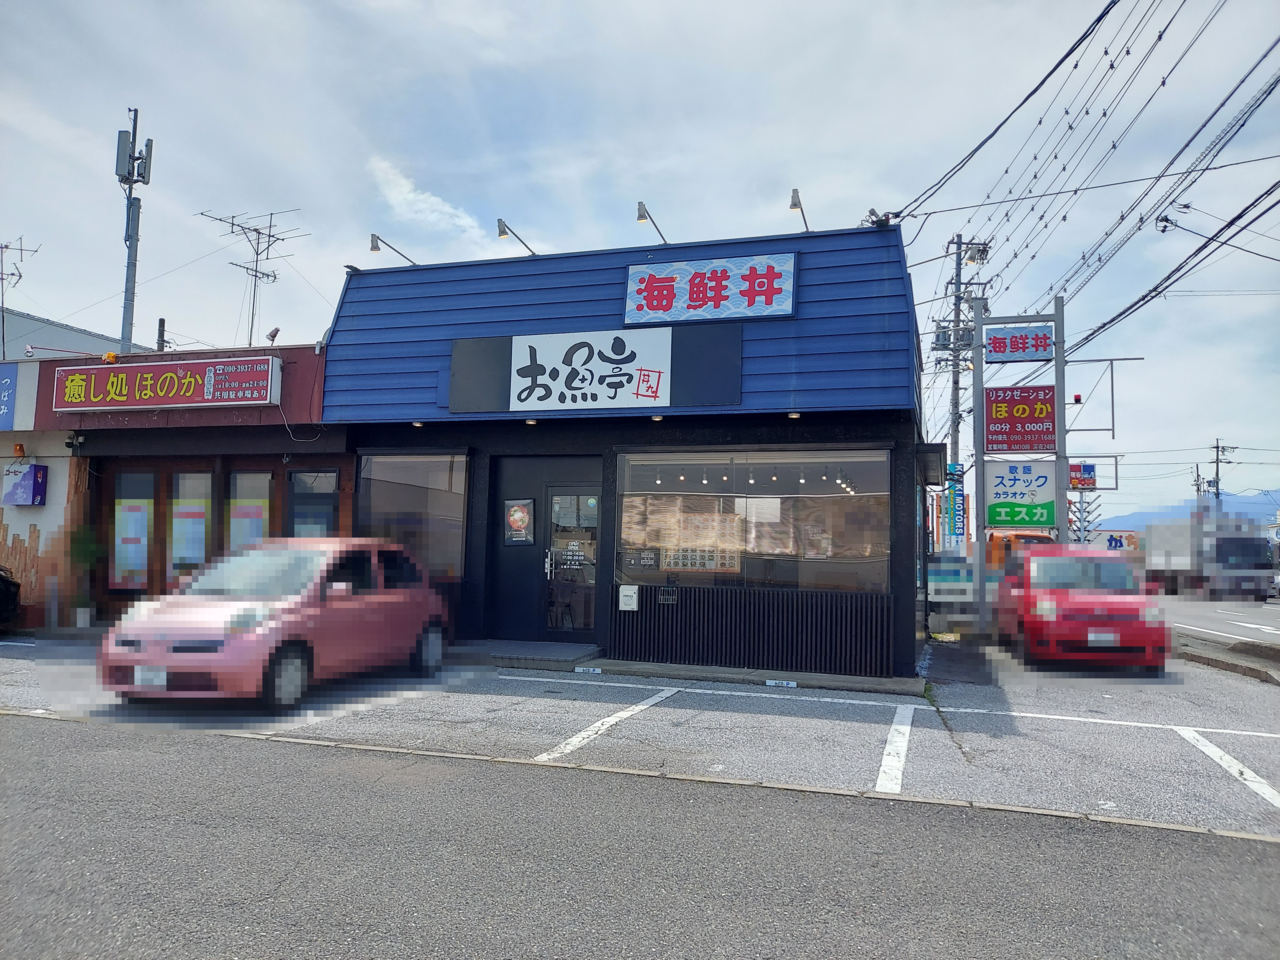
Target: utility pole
[(1218, 461), (132, 167), (10, 278), (261, 239)]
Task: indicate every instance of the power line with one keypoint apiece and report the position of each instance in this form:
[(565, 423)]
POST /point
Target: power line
[(1096, 186), (960, 165)]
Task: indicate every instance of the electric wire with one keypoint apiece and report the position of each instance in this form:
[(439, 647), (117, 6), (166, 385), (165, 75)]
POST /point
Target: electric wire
[(942, 181)]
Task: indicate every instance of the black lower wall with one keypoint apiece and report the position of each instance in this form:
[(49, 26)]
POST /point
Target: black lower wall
[(607, 437)]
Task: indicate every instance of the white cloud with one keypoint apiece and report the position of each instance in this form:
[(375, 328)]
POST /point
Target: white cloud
[(409, 203)]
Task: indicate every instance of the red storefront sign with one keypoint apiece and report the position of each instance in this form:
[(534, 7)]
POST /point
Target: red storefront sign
[(230, 382), (1020, 419)]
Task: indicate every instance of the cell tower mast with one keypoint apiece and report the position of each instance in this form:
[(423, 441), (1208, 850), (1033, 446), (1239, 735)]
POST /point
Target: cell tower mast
[(261, 238), (132, 167)]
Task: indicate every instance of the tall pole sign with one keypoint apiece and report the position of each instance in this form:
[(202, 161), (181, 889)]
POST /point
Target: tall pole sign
[(1013, 420)]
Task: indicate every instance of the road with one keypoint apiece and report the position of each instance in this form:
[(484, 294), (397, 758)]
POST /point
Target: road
[(120, 841), (1225, 622)]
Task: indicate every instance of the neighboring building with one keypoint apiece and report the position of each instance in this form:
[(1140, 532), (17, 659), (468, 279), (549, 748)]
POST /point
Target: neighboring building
[(43, 483), (189, 455), (49, 338), (706, 453)]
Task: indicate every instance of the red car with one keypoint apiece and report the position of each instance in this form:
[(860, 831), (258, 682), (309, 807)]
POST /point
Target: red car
[(270, 620), (1059, 602)]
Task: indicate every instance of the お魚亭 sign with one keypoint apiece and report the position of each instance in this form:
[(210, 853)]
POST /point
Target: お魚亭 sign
[(725, 289), (591, 371)]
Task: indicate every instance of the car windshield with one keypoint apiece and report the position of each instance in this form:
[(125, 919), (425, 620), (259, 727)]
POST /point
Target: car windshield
[(270, 572), (1243, 553), (1081, 573)]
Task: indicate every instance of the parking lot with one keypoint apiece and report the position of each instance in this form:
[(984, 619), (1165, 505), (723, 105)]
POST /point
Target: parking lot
[(1196, 747)]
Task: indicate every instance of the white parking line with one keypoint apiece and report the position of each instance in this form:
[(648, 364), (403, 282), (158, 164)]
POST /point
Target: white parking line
[(1218, 633), (1232, 766), (884, 703), (600, 726), (895, 752)]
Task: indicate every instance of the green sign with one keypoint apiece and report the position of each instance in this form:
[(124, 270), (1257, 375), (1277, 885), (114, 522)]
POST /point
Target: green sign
[(1014, 514)]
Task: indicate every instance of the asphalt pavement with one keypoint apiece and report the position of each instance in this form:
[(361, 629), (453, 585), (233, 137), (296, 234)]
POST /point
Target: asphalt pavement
[(1225, 622), (128, 841), (1197, 747)]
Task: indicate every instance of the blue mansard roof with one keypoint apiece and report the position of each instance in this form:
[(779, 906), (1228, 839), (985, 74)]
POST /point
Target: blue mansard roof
[(851, 343)]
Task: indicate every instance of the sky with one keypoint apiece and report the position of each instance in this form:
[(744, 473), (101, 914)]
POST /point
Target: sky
[(425, 122)]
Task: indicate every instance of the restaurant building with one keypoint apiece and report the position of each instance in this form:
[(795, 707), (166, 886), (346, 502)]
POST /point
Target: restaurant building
[(704, 453), (185, 457)]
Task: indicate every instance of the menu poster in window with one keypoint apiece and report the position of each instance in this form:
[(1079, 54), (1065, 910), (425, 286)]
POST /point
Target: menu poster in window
[(248, 523), (517, 522), (188, 534), (132, 537)]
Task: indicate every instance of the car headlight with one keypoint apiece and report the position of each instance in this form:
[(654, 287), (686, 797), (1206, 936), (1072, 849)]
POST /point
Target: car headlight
[(1152, 615), (248, 619), (1046, 609)]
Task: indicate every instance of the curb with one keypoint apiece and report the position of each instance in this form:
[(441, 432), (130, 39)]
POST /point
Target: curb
[(1257, 672), (871, 795)]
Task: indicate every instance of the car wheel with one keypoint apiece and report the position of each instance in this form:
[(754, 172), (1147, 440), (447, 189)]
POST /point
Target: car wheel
[(428, 655), (286, 679)]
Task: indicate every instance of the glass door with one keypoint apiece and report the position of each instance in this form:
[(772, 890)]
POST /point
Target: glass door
[(570, 560)]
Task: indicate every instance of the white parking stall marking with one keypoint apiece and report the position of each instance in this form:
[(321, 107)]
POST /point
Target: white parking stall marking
[(600, 726), (895, 751), (1232, 766)]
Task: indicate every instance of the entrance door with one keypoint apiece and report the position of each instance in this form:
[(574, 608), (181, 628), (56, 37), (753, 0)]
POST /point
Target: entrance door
[(570, 561), (544, 522)]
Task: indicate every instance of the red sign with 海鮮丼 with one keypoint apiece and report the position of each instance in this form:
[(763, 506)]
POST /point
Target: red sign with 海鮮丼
[(230, 382), (1021, 420)]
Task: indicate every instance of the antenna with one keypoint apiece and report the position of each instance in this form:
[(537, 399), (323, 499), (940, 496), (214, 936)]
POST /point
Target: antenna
[(10, 278), (262, 238), (132, 168)]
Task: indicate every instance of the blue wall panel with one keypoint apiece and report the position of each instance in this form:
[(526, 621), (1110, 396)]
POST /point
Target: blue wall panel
[(852, 344)]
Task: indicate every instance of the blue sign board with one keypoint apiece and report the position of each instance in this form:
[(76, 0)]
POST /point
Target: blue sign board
[(8, 391), (721, 289)]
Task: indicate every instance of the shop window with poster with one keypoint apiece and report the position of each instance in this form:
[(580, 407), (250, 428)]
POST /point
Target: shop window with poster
[(799, 519), (420, 503)]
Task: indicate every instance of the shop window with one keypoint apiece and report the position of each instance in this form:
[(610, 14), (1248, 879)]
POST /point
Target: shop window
[(313, 503), (190, 532), (420, 503), (248, 510), (799, 519), (132, 530)]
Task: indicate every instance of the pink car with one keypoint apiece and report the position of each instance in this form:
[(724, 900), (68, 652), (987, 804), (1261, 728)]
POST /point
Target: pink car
[(271, 620)]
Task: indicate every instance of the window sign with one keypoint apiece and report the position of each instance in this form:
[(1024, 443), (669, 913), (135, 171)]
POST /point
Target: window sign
[(249, 511), (725, 289), (518, 527), (131, 534), (1021, 419), (593, 371), (1025, 342), (1021, 494)]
